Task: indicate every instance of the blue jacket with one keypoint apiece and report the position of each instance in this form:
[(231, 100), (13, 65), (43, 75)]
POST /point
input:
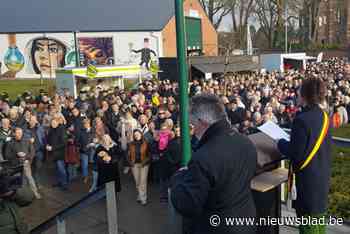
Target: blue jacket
[(38, 133), (312, 182)]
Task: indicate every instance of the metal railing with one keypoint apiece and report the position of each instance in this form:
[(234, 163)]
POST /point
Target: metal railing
[(88, 200)]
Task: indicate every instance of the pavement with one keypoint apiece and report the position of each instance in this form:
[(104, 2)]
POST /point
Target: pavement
[(133, 218)]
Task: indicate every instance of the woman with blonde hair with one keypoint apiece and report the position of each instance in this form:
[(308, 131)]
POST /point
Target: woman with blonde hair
[(106, 163), (100, 128), (126, 127)]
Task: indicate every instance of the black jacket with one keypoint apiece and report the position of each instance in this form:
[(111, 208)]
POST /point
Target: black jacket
[(237, 116), (217, 181), (57, 140), (313, 182), (171, 161), (112, 120), (85, 138), (77, 122), (108, 171), (145, 54), (14, 147)]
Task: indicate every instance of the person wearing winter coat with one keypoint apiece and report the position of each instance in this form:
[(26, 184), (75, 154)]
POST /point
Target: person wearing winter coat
[(56, 147), (139, 160)]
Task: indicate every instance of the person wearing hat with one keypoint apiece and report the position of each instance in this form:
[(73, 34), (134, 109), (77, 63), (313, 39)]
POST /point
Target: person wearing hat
[(145, 54), (139, 160)]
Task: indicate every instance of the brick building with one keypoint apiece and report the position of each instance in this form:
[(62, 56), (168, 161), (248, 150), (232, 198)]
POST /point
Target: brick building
[(334, 22)]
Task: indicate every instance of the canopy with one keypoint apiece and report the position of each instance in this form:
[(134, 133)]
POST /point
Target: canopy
[(30, 16), (222, 64), (221, 68)]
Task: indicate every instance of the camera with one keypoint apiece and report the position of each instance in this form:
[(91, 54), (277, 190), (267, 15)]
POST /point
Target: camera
[(11, 177)]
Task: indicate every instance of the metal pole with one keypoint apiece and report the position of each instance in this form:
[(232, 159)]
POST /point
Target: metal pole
[(61, 226), (183, 84), (112, 214), (77, 62), (286, 25)]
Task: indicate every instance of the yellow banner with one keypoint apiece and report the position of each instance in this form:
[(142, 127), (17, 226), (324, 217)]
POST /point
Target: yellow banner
[(91, 71)]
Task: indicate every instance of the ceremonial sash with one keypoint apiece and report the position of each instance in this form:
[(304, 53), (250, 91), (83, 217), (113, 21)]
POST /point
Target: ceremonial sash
[(319, 142), (304, 164)]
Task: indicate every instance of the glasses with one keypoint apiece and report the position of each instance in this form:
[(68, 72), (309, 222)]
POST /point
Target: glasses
[(161, 113)]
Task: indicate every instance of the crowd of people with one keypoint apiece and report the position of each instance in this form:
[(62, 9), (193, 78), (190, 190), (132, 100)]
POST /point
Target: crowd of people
[(137, 131)]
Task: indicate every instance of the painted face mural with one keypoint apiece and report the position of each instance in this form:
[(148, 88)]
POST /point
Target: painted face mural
[(47, 54), (97, 51)]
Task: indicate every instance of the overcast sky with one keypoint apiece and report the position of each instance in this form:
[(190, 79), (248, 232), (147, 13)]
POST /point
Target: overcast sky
[(226, 24)]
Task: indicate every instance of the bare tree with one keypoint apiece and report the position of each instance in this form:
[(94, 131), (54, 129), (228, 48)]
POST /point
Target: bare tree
[(307, 12), (241, 11), (266, 12), (216, 10)]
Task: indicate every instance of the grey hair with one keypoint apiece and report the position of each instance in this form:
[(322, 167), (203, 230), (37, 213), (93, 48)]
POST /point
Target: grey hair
[(208, 108)]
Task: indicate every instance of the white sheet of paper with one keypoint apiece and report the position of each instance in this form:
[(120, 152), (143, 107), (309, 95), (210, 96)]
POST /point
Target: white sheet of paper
[(274, 131)]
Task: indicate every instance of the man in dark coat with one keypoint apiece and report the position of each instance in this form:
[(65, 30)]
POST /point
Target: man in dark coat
[(76, 124), (112, 120), (20, 151), (216, 183)]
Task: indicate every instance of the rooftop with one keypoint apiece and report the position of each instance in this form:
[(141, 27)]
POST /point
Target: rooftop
[(30, 16)]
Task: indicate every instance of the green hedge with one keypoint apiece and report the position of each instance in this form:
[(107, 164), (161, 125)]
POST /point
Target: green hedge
[(339, 197), (18, 86), (316, 46)]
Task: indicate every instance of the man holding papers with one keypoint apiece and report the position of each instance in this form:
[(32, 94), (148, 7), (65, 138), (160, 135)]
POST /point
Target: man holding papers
[(309, 150)]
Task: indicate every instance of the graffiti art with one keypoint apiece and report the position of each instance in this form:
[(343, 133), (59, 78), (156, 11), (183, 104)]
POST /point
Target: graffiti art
[(47, 54), (96, 50), (145, 54)]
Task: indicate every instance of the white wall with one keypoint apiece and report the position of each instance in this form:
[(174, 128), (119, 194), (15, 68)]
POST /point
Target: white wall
[(122, 41)]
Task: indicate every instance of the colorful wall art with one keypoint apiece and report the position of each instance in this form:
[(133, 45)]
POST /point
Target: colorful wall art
[(96, 50)]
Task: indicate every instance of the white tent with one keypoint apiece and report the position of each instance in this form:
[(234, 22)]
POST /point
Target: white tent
[(272, 62)]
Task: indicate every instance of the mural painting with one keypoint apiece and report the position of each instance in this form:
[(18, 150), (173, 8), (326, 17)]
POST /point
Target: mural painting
[(35, 55), (13, 59), (70, 59), (96, 51), (145, 54), (46, 55)]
